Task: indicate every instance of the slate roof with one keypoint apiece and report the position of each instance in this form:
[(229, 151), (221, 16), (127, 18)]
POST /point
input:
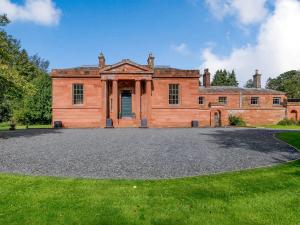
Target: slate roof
[(230, 89)]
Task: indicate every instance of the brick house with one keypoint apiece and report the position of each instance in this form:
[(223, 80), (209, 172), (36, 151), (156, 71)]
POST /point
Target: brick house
[(127, 94)]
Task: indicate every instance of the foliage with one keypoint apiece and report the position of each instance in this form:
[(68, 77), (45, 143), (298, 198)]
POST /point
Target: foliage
[(224, 78), (288, 82), (249, 84), (6, 125), (3, 20), (19, 76), (36, 108), (236, 121), (287, 122)]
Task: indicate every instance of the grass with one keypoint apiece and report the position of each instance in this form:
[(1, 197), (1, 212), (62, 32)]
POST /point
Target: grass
[(293, 138), (5, 126), (282, 127), (258, 196)]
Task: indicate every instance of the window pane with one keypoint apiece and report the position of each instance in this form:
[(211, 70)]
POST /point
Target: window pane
[(173, 94), (77, 93), (254, 101), (201, 100), (276, 100), (223, 100)]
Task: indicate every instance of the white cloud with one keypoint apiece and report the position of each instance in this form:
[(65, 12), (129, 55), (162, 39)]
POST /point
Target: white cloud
[(247, 11), (43, 12), (181, 49), (277, 49)]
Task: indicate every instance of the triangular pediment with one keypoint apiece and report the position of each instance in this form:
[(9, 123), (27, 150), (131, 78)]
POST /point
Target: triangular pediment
[(126, 66)]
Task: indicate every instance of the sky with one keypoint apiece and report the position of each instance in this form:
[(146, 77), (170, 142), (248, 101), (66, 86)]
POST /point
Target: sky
[(243, 35)]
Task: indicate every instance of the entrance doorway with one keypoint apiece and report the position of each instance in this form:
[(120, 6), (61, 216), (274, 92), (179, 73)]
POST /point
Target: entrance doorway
[(126, 104), (294, 115), (217, 119)]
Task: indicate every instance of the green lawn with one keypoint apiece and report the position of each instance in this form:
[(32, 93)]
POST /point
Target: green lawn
[(283, 127), (5, 126), (260, 196)]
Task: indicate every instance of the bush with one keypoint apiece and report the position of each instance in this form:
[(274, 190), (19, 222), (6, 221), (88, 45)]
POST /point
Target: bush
[(286, 122), (236, 121)]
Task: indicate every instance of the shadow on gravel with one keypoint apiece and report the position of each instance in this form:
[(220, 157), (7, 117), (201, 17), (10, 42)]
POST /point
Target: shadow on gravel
[(26, 133), (251, 139)]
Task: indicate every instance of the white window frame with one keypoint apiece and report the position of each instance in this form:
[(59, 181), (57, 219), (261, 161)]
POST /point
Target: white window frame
[(277, 98)]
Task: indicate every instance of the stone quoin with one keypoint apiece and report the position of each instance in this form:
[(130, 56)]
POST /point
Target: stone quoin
[(127, 94)]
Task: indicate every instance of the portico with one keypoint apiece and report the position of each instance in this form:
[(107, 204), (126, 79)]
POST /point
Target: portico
[(126, 88)]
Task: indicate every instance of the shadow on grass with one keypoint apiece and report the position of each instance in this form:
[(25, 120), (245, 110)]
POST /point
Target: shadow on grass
[(27, 133)]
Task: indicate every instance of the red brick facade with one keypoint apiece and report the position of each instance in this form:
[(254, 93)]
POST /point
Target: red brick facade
[(127, 94)]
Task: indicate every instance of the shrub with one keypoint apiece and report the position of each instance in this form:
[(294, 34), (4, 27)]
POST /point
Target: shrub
[(286, 122), (236, 121)]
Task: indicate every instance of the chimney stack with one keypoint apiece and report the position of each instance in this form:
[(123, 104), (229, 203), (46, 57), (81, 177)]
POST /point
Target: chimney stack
[(206, 78), (257, 80), (150, 61), (101, 59)]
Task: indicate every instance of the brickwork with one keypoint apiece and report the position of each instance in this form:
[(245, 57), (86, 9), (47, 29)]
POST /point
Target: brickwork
[(293, 111), (87, 114), (149, 98)]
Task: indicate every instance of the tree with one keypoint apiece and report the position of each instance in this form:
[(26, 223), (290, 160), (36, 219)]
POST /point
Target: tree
[(36, 108), (288, 82), (249, 84), (3, 20), (40, 63), (25, 87), (232, 79), (220, 78), (224, 78)]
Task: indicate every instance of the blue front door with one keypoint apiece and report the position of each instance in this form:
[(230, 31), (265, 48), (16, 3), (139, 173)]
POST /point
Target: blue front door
[(126, 104)]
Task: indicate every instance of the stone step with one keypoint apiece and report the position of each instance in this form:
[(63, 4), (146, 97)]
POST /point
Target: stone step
[(126, 123)]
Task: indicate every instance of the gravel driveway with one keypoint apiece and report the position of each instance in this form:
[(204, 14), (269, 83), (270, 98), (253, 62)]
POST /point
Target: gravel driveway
[(139, 153)]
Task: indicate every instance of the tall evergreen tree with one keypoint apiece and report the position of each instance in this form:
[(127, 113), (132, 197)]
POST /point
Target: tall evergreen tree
[(220, 78), (232, 79), (224, 78)]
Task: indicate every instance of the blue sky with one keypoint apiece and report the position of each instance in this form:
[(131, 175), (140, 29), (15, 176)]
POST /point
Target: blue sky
[(180, 33), (127, 29)]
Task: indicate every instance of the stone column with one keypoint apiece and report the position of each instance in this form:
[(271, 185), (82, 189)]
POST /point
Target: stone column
[(104, 102), (149, 102), (138, 100), (115, 101)]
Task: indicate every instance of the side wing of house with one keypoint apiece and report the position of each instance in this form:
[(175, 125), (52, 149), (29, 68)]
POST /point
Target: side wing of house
[(76, 97)]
